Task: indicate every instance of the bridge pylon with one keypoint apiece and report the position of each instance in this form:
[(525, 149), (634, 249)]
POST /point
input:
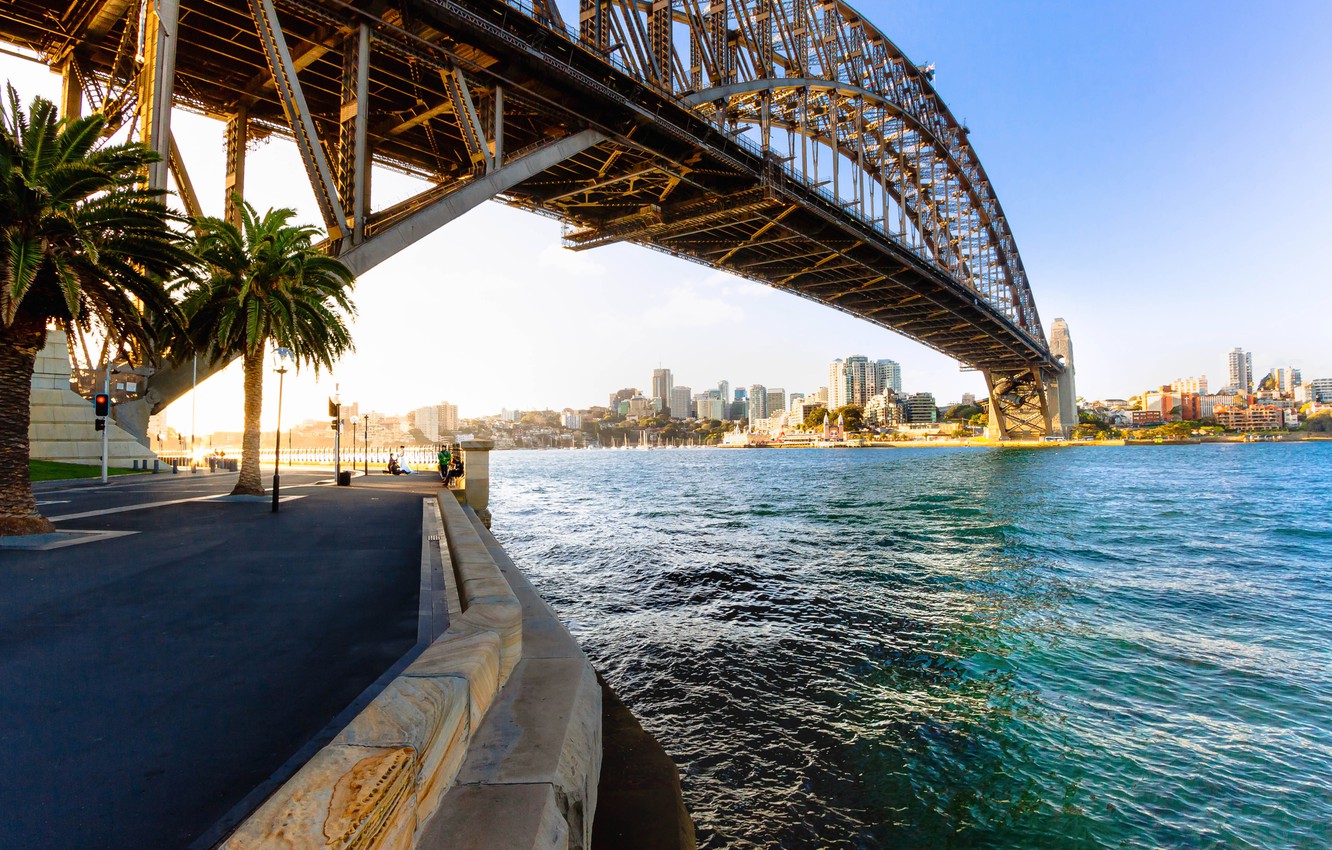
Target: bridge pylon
[(1035, 402)]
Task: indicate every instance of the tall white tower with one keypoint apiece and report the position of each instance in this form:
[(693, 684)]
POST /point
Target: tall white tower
[(1063, 394)]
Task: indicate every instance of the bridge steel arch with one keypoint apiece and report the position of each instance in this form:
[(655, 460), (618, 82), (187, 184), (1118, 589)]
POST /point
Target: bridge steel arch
[(787, 141)]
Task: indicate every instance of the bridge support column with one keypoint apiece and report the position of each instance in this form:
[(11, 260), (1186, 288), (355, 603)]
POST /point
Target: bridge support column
[(1018, 407), (237, 135), (157, 81)]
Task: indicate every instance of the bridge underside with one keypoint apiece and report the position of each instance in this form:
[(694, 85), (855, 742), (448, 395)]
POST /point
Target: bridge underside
[(485, 101)]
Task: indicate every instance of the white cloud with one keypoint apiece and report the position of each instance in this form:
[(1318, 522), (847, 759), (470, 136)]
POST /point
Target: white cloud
[(554, 256), (685, 307)]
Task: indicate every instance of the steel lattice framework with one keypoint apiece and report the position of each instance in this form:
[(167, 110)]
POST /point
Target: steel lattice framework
[(789, 142)]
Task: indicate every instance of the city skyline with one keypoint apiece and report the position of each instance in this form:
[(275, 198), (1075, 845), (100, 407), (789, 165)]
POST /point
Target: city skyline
[(1116, 237)]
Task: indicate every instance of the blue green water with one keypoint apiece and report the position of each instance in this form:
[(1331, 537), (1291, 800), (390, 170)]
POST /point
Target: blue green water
[(914, 648)]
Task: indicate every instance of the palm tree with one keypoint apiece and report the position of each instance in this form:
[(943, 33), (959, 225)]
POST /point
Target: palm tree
[(83, 242), (264, 284)]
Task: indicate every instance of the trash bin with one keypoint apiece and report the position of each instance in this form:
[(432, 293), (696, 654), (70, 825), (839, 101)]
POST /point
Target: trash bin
[(344, 479)]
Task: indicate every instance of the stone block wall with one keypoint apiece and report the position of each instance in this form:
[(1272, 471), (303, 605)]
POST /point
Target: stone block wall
[(487, 740), (61, 428)]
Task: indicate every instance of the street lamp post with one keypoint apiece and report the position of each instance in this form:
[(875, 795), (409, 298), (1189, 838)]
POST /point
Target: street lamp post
[(355, 420), (280, 356), (366, 468)]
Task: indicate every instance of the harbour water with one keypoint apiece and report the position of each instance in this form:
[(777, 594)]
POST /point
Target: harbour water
[(916, 648)]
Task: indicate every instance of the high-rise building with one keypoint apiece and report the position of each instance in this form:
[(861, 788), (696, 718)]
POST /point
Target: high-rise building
[(1241, 370), (741, 394), (724, 387), (447, 417), (836, 385), (680, 406), (1287, 379), (776, 400), (739, 408), (889, 376), (853, 383), (571, 419), (822, 395), (795, 399), (661, 385), (426, 420), (968, 398), (710, 406), (758, 402)]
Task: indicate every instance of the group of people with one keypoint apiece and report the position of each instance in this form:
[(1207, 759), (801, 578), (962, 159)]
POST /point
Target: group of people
[(450, 465)]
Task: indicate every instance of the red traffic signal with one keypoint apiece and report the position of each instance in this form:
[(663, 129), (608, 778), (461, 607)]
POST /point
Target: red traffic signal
[(102, 404)]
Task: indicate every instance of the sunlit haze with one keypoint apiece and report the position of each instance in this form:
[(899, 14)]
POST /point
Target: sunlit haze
[(1158, 164)]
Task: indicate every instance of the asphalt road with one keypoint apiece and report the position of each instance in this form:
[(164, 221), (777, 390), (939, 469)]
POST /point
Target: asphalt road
[(150, 682)]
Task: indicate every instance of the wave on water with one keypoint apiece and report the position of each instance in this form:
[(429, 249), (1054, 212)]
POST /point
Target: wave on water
[(865, 649)]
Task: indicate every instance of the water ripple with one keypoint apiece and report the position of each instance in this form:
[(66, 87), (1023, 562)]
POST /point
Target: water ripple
[(957, 648)]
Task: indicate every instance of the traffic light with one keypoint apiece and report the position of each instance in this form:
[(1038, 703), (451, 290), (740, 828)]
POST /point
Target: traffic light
[(334, 414), (102, 404), (99, 424)]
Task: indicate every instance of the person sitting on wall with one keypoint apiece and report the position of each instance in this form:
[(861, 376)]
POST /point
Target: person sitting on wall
[(445, 459)]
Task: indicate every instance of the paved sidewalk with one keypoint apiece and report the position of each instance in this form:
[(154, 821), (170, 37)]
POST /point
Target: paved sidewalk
[(149, 682)]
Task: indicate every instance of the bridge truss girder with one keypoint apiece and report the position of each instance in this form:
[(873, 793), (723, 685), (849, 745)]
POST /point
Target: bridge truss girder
[(630, 130)]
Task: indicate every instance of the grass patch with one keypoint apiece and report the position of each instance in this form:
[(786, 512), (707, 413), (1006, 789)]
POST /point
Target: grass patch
[(50, 470)]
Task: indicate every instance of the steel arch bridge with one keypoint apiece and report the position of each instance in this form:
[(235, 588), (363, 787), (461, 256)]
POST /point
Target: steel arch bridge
[(787, 141)]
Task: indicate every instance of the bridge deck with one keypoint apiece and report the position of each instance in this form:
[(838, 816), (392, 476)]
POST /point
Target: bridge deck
[(665, 178)]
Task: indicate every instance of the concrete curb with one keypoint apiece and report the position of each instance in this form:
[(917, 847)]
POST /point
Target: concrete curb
[(474, 745)]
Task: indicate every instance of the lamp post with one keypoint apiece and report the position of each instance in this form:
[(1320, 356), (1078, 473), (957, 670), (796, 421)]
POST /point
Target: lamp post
[(280, 356), (366, 468), (355, 421)]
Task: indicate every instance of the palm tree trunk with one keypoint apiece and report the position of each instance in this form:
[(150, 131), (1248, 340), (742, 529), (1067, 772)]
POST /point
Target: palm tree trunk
[(249, 483), (19, 345)]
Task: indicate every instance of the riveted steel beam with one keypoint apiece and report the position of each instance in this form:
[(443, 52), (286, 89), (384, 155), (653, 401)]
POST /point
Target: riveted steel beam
[(298, 115)]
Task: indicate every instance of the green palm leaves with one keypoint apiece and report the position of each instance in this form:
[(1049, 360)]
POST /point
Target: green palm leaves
[(81, 235), (265, 282)]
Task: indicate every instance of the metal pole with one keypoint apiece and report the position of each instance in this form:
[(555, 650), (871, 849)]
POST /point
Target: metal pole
[(277, 437), (194, 407), (106, 425), (366, 467), (337, 435)]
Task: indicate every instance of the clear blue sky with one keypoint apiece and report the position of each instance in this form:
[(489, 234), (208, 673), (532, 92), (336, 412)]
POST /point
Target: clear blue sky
[(1162, 166)]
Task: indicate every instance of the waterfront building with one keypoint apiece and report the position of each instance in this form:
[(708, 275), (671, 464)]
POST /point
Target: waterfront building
[(508, 415), (889, 376), (758, 402), (775, 400), (680, 405), (1145, 417), (1196, 385), (1173, 404), (571, 419), (922, 408), (800, 409), (1252, 417), (883, 410), (1240, 363), (661, 385)]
